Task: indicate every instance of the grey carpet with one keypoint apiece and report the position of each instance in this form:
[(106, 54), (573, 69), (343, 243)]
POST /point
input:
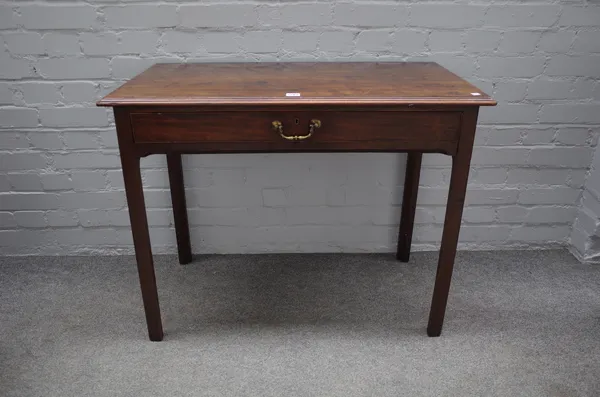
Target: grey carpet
[(518, 324)]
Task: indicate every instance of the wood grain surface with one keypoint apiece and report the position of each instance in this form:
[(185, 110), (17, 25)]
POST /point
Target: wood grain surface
[(400, 83)]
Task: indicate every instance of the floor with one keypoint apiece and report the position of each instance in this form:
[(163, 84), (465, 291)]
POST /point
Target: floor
[(522, 323)]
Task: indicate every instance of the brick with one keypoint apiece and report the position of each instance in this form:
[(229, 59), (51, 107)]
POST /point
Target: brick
[(226, 177), (500, 156), (543, 234), (222, 42), (519, 42), (572, 157), (509, 114), (29, 201), (580, 16), (87, 237), (40, 16), (6, 94), (134, 42), (577, 178), (86, 160), (446, 15), (91, 200), (538, 136), (300, 41), (550, 89), (376, 15), (553, 195), (462, 66), (7, 220), (218, 16), (79, 92), (510, 91), (88, 180), (74, 117), (115, 179), (573, 136), (446, 41), (61, 44), (61, 218), (11, 140), (434, 177), (18, 117), (25, 182), (291, 15), (262, 42), (73, 68), (127, 67), (56, 181), (160, 179), (522, 175), (406, 41), (570, 113), (556, 42), (526, 16), (273, 197), (373, 41), (91, 218), (142, 16), (479, 214), (27, 43), (587, 42), (530, 66), (162, 199), (7, 17), (512, 214), (488, 176), (234, 197), (487, 196), (39, 92), (28, 240), (342, 42), (13, 69), (45, 140), (554, 214), (566, 65), (484, 233), (181, 42), (505, 137), (99, 43), (30, 218), (81, 140), (22, 161), (482, 40)]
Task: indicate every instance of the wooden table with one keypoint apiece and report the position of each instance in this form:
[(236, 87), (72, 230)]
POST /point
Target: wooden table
[(295, 107)]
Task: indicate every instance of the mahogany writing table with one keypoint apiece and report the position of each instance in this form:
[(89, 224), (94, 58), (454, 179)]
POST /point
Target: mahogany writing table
[(295, 107)]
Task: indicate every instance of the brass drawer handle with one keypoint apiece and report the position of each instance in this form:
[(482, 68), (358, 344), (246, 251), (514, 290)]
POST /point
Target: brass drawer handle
[(278, 126)]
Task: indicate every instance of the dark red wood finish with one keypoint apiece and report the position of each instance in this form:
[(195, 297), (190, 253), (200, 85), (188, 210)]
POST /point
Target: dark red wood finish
[(182, 229), (230, 108), (409, 205)]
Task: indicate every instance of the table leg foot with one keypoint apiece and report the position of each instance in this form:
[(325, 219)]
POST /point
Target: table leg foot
[(434, 332)]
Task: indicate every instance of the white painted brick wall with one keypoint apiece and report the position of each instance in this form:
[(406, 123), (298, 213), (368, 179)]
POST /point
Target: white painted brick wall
[(61, 188)]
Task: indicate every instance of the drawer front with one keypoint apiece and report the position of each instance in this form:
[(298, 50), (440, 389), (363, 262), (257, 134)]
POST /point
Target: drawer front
[(303, 130)]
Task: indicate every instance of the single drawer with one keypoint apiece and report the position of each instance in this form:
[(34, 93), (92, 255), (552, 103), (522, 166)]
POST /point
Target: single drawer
[(303, 130)]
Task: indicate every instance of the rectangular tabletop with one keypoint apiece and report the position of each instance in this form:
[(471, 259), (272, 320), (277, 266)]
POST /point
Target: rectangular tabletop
[(388, 83)]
